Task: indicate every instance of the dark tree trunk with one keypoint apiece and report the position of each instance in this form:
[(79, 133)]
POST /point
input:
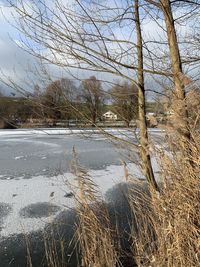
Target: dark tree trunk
[(144, 142)]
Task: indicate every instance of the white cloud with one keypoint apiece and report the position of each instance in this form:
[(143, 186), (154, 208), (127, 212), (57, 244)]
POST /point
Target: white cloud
[(14, 58)]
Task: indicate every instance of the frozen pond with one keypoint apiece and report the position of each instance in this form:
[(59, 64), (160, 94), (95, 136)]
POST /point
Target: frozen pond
[(35, 168), (35, 174), (33, 155), (28, 153)]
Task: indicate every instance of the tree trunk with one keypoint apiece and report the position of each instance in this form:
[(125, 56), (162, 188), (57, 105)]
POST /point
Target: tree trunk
[(179, 105), (144, 143), (127, 123), (94, 119)]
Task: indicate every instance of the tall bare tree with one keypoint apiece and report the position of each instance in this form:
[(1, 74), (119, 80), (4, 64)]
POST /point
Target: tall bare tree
[(58, 99), (186, 9), (79, 35), (144, 149), (179, 104), (93, 98), (124, 97)]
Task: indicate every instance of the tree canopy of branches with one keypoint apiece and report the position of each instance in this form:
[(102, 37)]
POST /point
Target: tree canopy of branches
[(93, 97), (14, 109), (59, 98), (124, 98)]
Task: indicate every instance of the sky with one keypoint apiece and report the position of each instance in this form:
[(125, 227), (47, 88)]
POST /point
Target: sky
[(13, 60), (15, 63), (20, 65)]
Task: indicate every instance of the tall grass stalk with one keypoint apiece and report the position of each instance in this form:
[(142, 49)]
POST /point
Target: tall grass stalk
[(94, 232)]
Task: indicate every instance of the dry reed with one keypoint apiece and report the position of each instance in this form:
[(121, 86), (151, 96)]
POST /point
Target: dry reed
[(94, 231)]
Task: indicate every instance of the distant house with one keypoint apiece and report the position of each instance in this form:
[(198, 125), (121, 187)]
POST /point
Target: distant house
[(109, 115)]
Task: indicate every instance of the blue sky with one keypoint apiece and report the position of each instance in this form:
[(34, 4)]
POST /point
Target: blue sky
[(15, 62)]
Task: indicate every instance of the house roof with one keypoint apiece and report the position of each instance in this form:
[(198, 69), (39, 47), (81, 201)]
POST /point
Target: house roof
[(109, 112)]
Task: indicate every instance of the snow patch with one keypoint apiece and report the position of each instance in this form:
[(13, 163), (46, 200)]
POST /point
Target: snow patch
[(23, 192), (19, 157)]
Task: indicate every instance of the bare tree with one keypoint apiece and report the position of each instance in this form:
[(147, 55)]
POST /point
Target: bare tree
[(58, 99), (187, 9), (180, 105), (124, 98), (93, 98), (144, 149)]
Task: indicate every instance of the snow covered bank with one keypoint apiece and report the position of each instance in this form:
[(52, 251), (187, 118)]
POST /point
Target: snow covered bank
[(68, 131)]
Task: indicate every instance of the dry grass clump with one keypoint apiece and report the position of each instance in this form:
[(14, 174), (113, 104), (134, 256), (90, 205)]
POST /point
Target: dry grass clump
[(166, 226), (169, 230), (94, 232), (54, 251), (178, 211), (142, 223)]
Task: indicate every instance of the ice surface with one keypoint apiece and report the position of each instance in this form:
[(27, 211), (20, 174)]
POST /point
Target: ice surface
[(21, 193), (67, 131)]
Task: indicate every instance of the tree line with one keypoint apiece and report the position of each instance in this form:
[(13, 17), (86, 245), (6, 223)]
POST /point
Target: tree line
[(64, 100)]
